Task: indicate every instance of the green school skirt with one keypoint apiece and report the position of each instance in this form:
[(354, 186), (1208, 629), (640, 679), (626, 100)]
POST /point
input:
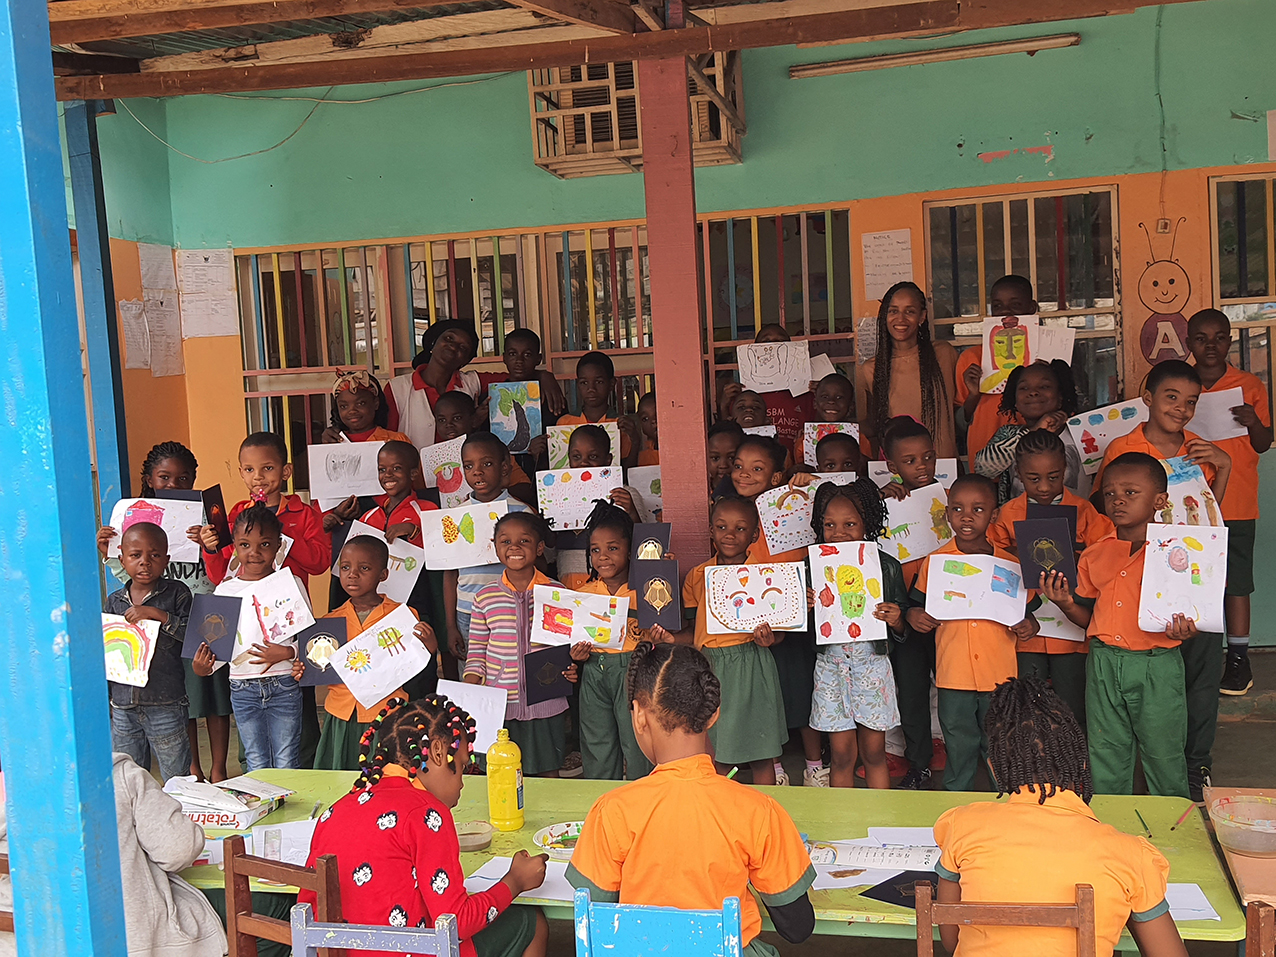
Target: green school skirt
[(542, 741), (207, 696), (338, 748), (795, 668), (509, 935), (751, 724)]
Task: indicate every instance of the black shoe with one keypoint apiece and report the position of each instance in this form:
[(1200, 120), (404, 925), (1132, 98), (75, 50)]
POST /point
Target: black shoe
[(1197, 780), (1238, 677), (917, 779)]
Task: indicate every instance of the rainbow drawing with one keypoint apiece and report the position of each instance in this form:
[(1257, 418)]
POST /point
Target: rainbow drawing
[(129, 648)]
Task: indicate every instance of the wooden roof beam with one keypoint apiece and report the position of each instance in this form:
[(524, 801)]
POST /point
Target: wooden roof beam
[(925, 16), (82, 21), (603, 14)]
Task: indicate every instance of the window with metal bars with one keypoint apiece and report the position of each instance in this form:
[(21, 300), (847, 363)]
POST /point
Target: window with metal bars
[(1062, 242)]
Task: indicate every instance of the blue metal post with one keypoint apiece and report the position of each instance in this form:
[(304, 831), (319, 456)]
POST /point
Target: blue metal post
[(102, 339), (54, 734)]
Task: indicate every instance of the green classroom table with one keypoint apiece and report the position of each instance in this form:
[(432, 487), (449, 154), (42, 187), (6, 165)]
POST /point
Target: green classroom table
[(823, 815)]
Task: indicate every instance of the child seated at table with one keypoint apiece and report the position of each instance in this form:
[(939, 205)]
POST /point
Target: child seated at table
[(396, 844), (685, 836), (1037, 752)]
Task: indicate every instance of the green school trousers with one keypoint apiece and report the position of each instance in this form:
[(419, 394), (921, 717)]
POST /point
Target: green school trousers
[(1203, 658), (961, 716), (607, 744), (1066, 674), (1136, 699)]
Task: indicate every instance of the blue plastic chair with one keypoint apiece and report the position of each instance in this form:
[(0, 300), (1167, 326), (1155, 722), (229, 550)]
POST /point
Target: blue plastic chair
[(628, 930), (308, 937)]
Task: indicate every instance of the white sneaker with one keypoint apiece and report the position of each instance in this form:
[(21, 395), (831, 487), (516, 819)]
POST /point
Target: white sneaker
[(815, 778), (782, 778)]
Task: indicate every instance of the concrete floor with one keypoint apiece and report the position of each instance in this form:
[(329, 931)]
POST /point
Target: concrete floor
[(1244, 756)]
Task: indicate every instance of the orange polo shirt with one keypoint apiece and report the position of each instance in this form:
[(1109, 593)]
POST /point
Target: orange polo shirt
[(1112, 577), (633, 634), (1241, 501), (1022, 852), (693, 597), (649, 457), (581, 420), (987, 418), (1091, 526), (340, 703), (1136, 441), (634, 845), (971, 654)]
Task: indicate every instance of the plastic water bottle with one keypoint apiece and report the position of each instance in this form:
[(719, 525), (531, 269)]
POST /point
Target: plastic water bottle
[(505, 783)]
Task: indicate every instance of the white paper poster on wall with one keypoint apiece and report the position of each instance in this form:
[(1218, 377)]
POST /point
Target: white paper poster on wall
[(206, 282), (888, 259), (137, 338)]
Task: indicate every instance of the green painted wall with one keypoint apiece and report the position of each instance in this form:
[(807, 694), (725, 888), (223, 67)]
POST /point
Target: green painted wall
[(459, 157)]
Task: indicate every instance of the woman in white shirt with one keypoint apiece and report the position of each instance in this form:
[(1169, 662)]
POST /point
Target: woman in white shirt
[(446, 348)]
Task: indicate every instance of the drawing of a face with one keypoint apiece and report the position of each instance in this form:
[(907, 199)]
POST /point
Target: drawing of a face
[(1165, 287), (343, 468)]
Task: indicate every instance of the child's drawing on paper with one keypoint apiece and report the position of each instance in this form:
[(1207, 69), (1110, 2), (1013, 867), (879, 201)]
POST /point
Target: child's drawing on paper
[(848, 580), (514, 410), (1006, 348), (918, 524), (785, 516), (568, 495), (975, 586), (1191, 500), (561, 616), (460, 537), (1093, 432), (738, 598), (775, 367), (129, 648), (1184, 572), (441, 466), (558, 438)]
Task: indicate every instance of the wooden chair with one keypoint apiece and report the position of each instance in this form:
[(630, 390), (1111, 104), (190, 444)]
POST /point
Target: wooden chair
[(6, 916), (1260, 929), (442, 940), (243, 927), (1079, 915), (628, 930)]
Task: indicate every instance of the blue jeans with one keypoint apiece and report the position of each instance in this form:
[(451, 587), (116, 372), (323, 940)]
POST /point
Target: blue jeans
[(268, 714), (139, 730)]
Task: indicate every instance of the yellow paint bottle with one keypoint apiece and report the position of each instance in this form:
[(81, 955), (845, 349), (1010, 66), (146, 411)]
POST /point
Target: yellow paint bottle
[(505, 783)]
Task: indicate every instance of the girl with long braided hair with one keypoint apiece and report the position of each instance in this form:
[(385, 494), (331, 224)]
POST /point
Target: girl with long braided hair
[(395, 841), (1036, 847), (911, 374), (171, 466), (685, 835)]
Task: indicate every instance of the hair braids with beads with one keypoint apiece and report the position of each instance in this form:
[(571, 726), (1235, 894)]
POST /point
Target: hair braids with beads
[(676, 682), (403, 733), (165, 450), (1035, 742), (863, 494), (612, 518), (934, 390)]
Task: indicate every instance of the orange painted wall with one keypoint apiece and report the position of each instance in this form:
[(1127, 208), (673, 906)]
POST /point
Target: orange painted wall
[(215, 404)]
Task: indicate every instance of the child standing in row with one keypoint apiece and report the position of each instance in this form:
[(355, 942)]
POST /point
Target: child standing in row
[(152, 719), (834, 401), (500, 629), (1209, 337), (720, 448), (595, 386), (972, 656), (854, 698), (649, 425), (1041, 464)]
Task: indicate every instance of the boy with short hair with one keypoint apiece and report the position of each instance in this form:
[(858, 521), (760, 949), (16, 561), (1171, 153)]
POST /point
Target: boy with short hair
[(1171, 393), (972, 656), (152, 718), (265, 469), (1135, 691), (455, 415), (522, 357), (840, 452), (749, 412), (1209, 337), (595, 386), (833, 400)]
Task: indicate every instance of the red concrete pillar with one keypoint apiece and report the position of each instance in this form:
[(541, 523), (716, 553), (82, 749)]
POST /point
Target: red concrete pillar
[(669, 182)]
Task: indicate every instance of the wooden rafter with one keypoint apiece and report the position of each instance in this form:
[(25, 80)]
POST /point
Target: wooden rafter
[(91, 64), (907, 18), (710, 89), (603, 14)]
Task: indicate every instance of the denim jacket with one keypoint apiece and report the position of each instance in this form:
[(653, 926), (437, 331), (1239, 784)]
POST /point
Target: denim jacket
[(166, 680)]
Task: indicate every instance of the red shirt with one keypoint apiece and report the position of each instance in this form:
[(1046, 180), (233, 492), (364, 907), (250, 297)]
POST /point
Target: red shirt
[(405, 511), (400, 862), (311, 551), (789, 414)]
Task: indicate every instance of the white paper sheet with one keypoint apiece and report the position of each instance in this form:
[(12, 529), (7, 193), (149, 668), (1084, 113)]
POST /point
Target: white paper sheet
[(903, 836), (204, 316), (137, 338), (558, 439), (918, 524), (286, 841), (945, 472), (847, 579), (738, 598), (1188, 902), (767, 430), (274, 609), (569, 495), (645, 480), (821, 365), (164, 326), (485, 705), (174, 516), (904, 858), (406, 562), (1214, 419), (775, 366), (441, 467), (977, 587), (785, 516), (1094, 431), (342, 469), (1184, 571), (837, 478), (378, 660), (460, 537), (888, 259), (812, 432), (206, 282), (156, 262), (1052, 342), (561, 616), (555, 888), (1055, 624)]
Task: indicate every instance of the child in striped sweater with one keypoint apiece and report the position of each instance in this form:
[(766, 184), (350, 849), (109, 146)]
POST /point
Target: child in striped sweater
[(500, 637)]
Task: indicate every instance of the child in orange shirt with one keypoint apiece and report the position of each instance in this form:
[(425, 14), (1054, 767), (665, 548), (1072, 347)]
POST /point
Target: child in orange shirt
[(595, 387), (648, 423), (636, 844), (1209, 337), (1041, 463), (1036, 847), (724, 439), (1135, 690), (972, 656)]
